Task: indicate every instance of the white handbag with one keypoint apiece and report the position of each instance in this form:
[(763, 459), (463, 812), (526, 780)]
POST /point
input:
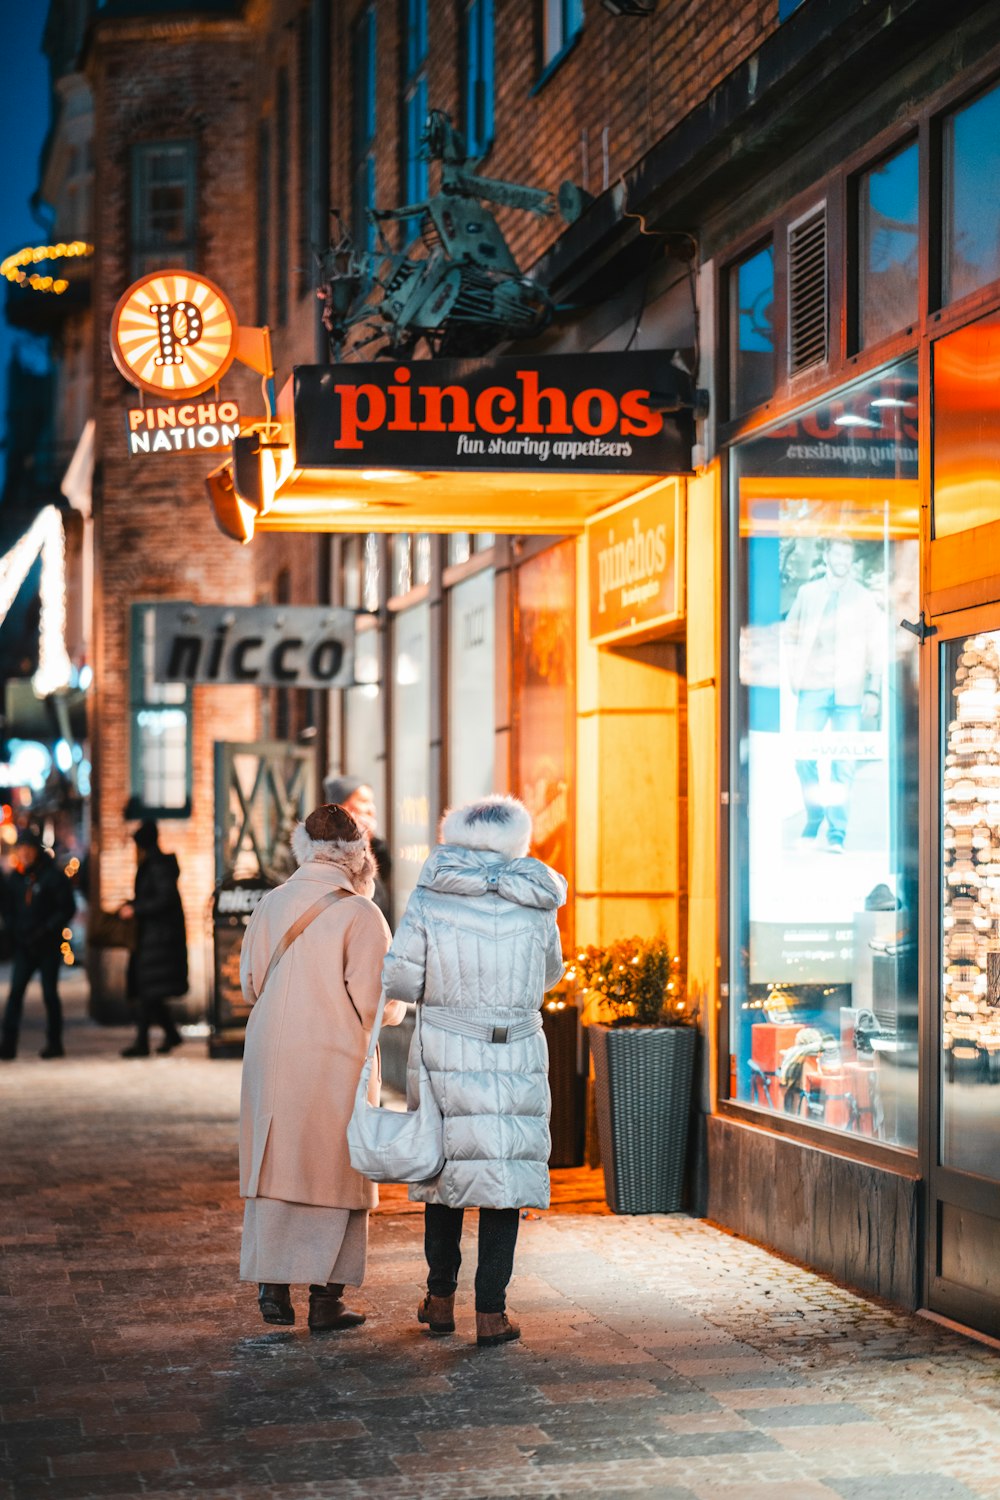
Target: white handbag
[(390, 1145)]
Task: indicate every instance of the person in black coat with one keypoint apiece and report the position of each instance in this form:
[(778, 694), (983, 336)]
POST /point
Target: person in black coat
[(37, 902), (158, 966)]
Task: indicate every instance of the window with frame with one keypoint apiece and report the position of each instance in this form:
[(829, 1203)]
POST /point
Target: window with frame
[(164, 206), (414, 108), (281, 209), (363, 135), (479, 69), (750, 300), (562, 22), (159, 730), (971, 208), (263, 222), (888, 248)]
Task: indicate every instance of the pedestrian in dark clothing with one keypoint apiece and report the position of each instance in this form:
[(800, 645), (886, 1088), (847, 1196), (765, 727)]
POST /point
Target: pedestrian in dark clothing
[(37, 902), (158, 966), (357, 797)]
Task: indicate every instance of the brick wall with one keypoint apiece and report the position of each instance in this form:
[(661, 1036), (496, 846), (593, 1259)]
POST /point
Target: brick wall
[(154, 532)]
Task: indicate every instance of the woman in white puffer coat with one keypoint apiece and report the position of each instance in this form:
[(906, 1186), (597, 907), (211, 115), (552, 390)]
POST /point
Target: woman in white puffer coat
[(477, 948)]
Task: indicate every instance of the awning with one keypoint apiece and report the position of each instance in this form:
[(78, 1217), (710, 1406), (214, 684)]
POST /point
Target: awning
[(501, 444)]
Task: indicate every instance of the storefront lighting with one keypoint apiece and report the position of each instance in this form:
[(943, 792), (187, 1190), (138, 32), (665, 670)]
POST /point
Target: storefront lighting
[(850, 420), (13, 267), (892, 401), (44, 538), (388, 476)]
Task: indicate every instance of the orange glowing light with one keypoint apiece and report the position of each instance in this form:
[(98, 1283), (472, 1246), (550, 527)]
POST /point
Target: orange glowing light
[(173, 333)]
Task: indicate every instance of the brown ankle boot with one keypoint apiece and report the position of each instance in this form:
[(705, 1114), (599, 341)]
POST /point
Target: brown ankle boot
[(495, 1328), (275, 1303), (438, 1313), (327, 1310)]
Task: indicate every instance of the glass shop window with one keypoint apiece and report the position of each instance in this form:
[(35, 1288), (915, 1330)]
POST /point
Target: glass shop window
[(164, 206), (371, 577), (363, 134), (402, 564), (823, 831), (751, 331), (364, 730), (471, 679), (160, 731), (459, 548), (414, 109), (562, 22), (411, 752), (479, 103), (888, 234), (971, 209)]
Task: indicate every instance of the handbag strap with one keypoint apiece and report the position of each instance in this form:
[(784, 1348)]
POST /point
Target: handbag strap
[(297, 928)]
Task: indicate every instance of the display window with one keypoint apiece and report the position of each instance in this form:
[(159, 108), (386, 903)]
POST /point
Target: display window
[(411, 750), (471, 688), (823, 992)]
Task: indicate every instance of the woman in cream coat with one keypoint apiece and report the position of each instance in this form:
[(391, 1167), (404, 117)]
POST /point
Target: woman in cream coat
[(306, 1216), (477, 948)]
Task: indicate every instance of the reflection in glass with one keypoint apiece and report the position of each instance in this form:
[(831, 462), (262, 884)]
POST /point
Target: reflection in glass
[(471, 673), (971, 203), (411, 750), (364, 737), (967, 427), (888, 199), (824, 826), (970, 840), (370, 574), (751, 352)]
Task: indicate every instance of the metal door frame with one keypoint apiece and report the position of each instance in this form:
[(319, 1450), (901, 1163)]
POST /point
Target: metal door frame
[(945, 1185)]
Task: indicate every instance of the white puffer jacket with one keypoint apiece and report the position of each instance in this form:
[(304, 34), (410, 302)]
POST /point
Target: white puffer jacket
[(478, 946)]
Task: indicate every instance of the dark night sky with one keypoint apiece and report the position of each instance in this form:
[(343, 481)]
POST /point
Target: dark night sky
[(24, 113)]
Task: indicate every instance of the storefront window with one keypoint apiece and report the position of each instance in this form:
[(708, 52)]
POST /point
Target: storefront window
[(411, 750), (971, 206), (824, 829), (967, 427), (370, 574), (888, 198), (364, 740), (751, 331), (471, 667), (459, 548), (970, 957), (545, 706)]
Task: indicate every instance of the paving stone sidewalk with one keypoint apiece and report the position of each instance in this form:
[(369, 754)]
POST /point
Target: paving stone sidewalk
[(660, 1356)]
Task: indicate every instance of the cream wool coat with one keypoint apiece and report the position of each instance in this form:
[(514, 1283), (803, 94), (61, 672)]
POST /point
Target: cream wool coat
[(305, 1043)]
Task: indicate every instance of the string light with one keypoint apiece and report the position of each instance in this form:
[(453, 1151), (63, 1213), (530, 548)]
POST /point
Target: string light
[(45, 538), (14, 266)]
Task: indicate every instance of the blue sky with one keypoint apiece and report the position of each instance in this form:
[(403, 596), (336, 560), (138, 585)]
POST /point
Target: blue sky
[(24, 109)]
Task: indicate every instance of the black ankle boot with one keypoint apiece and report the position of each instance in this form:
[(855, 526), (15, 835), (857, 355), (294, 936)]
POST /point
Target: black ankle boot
[(275, 1303), (327, 1310)]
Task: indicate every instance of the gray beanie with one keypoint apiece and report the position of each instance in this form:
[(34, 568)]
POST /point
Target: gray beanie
[(338, 788)]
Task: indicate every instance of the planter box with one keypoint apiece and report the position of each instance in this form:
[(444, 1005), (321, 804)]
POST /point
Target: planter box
[(643, 1090)]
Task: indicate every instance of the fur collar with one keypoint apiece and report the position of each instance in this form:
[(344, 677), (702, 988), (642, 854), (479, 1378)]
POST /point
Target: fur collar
[(354, 858), (497, 823)]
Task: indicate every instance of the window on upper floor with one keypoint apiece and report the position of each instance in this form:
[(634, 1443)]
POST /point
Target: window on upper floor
[(363, 132), (263, 222), (164, 206), (479, 48), (282, 220), (750, 297), (970, 216), (888, 246), (562, 22), (414, 107)]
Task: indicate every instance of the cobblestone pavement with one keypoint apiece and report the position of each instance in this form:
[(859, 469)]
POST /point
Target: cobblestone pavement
[(660, 1356)]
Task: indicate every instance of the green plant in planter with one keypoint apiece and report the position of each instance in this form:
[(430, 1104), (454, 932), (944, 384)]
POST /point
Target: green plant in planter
[(643, 1037)]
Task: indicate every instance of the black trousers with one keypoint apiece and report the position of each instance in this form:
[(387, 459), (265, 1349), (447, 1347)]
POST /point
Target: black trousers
[(442, 1247), (26, 964), (155, 1012)]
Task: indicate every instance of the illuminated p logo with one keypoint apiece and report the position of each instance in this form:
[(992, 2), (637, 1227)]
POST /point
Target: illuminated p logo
[(179, 326)]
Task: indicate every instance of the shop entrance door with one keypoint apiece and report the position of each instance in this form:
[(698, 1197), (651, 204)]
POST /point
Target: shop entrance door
[(963, 1038), (261, 791)]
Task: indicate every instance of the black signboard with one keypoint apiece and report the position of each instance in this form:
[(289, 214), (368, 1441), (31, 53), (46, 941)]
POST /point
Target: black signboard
[(585, 413), (233, 904)]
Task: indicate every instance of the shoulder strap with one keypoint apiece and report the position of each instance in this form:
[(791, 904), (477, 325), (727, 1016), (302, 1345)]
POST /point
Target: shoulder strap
[(297, 928)]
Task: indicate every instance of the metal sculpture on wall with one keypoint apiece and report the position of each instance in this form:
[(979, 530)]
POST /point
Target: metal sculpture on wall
[(456, 286)]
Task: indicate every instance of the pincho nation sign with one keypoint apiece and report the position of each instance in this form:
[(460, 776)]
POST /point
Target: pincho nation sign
[(192, 427), (594, 413), (268, 646), (635, 559), (173, 334)]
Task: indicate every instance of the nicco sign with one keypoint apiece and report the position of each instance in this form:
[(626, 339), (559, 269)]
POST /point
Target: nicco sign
[(596, 413), (635, 557), (173, 334)]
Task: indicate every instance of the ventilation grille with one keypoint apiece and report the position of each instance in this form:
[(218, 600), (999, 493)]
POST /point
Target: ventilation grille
[(807, 310)]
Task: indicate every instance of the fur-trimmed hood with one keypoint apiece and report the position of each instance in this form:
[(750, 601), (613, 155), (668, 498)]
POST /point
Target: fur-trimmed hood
[(497, 823), (354, 858)]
